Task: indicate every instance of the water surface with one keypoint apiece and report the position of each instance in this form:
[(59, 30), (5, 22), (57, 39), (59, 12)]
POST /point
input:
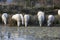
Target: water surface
[(32, 33)]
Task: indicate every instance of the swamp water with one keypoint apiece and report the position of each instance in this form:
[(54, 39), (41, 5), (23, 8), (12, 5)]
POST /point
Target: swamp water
[(29, 33)]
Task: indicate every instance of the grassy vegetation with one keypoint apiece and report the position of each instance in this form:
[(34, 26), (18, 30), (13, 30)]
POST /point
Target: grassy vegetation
[(32, 11), (28, 10)]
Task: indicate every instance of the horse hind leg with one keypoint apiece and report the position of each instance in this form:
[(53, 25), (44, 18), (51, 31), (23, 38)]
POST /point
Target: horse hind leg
[(40, 23), (25, 24), (18, 23), (48, 24), (5, 22)]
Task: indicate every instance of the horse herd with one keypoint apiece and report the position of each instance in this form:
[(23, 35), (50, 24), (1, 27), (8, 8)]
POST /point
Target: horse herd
[(24, 19)]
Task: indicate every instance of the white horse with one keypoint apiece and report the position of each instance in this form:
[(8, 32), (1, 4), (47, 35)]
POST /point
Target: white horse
[(40, 17), (50, 20), (18, 17), (22, 18), (26, 19), (4, 18), (58, 12)]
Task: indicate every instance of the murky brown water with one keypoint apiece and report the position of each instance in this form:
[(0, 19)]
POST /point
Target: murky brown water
[(33, 33)]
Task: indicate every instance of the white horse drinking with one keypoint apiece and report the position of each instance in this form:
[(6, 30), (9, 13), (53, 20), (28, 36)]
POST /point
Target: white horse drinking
[(4, 18), (50, 20), (26, 19), (58, 12), (18, 17), (22, 19), (40, 17)]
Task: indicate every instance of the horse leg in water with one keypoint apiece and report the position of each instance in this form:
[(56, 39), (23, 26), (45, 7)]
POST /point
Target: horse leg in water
[(49, 23), (40, 23), (5, 21), (25, 23), (40, 20), (18, 23)]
